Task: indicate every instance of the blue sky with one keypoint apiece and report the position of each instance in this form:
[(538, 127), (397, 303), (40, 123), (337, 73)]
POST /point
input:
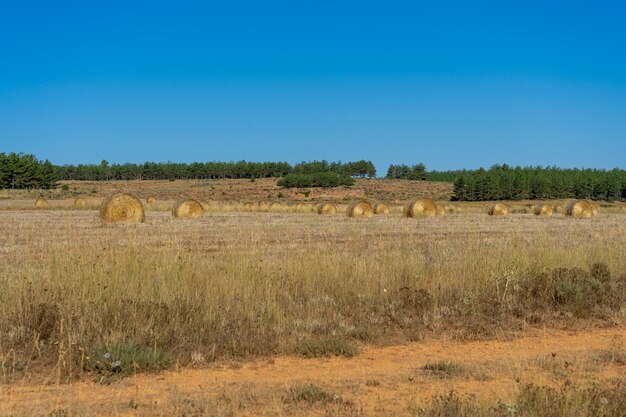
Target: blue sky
[(451, 84)]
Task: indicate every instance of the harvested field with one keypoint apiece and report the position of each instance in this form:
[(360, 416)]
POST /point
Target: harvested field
[(237, 290)]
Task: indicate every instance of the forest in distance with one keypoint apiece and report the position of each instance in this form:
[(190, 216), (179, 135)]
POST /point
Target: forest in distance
[(500, 182)]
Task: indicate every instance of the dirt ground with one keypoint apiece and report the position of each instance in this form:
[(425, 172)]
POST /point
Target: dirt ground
[(378, 381)]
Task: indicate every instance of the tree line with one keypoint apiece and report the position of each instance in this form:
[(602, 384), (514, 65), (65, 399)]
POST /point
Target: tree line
[(502, 182), (209, 170), (19, 171)]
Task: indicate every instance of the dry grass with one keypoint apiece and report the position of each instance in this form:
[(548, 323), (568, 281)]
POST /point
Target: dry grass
[(234, 285)]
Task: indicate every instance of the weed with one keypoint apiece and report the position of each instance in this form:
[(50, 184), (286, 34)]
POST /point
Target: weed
[(327, 346)]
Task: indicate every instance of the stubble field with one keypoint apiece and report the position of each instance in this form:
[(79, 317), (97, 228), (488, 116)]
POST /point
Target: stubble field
[(296, 313)]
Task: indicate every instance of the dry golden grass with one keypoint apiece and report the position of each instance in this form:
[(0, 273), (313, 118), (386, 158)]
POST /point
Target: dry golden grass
[(168, 293)]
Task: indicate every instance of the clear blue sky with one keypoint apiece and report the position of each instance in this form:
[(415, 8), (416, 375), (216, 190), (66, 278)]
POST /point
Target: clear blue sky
[(451, 84)]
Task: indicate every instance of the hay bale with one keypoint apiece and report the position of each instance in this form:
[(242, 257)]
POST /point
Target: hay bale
[(41, 203), (151, 199), (441, 211), (381, 208), (360, 210), (420, 207), (187, 208), (122, 208), (498, 209), (80, 202), (595, 208), (542, 210), (277, 207), (248, 206), (579, 208), (302, 207), (205, 205), (327, 209)]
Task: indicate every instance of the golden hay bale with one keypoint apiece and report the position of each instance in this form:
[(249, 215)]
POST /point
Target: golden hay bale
[(205, 205), (302, 207), (151, 199), (498, 209), (420, 207), (248, 206), (277, 207), (41, 203), (80, 202), (543, 210), (360, 209), (579, 208), (122, 208), (326, 208), (187, 208), (594, 207), (381, 208), (441, 211)]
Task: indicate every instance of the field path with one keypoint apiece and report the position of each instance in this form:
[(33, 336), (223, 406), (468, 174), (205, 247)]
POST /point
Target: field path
[(379, 380)]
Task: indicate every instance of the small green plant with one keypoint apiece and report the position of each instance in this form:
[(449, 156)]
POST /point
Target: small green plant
[(311, 394), (124, 359), (327, 346), (445, 369)]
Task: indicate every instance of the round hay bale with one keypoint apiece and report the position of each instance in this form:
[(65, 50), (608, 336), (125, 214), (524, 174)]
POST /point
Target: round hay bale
[(187, 208), (579, 208), (420, 207), (80, 202), (302, 207), (41, 203), (595, 208), (360, 210), (498, 209), (327, 209), (441, 211), (122, 208), (248, 206), (151, 199), (277, 207), (543, 210), (205, 205), (381, 208)]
